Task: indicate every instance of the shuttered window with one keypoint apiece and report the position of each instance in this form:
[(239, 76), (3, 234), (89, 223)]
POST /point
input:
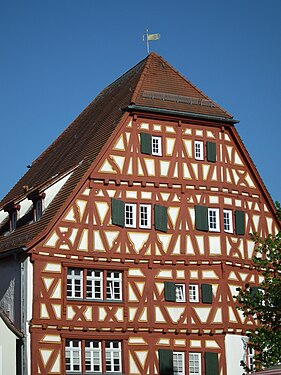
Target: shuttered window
[(211, 151), (165, 362), (146, 144), (160, 218), (253, 291), (211, 363), (170, 291), (207, 293), (201, 218), (240, 222), (118, 212)]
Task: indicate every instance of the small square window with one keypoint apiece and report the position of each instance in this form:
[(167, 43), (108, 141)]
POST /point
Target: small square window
[(180, 293), (213, 219), (145, 216), (193, 293), (198, 150), (156, 146), (130, 215), (227, 221)]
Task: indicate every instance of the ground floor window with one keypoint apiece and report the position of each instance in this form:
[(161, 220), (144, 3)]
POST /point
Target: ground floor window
[(93, 356)]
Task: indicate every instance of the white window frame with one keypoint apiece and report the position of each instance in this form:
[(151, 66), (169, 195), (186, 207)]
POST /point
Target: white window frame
[(199, 150), (214, 225), (180, 293), (193, 292), (158, 142), (112, 354), (250, 358), (130, 215), (95, 284), (145, 215), (73, 280), (194, 358), (114, 286), (70, 352), (179, 358), (94, 356), (227, 221)]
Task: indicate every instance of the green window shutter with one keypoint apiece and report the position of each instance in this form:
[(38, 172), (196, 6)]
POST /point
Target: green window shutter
[(118, 212), (207, 293), (211, 151), (165, 362), (240, 222), (201, 218), (160, 218), (211, 363), (146, 143), (253, 291), (169, 291)]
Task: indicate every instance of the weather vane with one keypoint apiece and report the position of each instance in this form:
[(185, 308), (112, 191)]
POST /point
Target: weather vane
[(147, 37)]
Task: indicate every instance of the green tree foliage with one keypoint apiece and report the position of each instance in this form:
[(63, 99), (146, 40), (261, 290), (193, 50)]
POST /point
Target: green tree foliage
[(264, 303)]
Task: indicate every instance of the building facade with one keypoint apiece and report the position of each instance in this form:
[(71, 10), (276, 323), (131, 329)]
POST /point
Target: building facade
[(129, 236)]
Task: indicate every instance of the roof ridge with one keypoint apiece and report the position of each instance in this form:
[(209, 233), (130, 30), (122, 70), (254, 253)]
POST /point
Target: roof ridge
[(191, 84)]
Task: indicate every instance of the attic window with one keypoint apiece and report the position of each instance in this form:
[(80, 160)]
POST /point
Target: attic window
[(38, 200), (12, 209)]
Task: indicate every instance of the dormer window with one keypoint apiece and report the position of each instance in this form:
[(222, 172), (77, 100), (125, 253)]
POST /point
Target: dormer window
[(12, 209), (38, 203)]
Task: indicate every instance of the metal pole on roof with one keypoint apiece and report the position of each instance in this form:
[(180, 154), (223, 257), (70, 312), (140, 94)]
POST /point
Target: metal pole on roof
[(147, 42)]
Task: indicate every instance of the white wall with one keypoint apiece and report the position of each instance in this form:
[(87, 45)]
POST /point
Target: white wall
[(7, 350), (235, 352)]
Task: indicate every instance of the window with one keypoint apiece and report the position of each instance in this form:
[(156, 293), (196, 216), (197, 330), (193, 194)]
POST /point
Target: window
[(13, 220), (145, 216), (227, 221), (130, 215), (125, 214), (207, 293), (150, 144), (38, 209), (156, 146), (198, 150), (211, 151), (195, 364), (73, 355), (250, 356), (213, 219), (178, 363), (180, 293), (93, 356), (100, 284), (193, 293), (239, 222)]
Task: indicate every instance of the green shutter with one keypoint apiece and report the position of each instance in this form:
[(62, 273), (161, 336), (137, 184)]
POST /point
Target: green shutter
[(211, 363), (201, 218), (146, 144), (160, 218), (165, 362), (253, 291), (211, 151), (169, 291), (118, 212), (240, 222), (207, 293)]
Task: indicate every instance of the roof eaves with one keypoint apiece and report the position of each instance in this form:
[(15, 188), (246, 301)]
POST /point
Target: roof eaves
[(10, 324), (228, 120)]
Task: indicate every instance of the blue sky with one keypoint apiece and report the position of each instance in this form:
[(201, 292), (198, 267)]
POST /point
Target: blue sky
[(57, 55)]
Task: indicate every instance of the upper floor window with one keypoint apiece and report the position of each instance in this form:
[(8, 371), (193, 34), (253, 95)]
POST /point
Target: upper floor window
[(93, 356), (199, 150), (180, 293), (195, 364), (130, 215), (150, 144), (94, 284), (145, 216), (156, 146), (178, 363), (227, 221), (193, 293), (213, 219)]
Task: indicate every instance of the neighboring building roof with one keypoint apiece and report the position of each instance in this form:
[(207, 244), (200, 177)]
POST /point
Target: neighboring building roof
[(151, 85), (10, 324)]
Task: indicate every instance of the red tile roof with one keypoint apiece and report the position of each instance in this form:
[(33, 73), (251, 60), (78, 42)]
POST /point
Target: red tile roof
[(152, 84)]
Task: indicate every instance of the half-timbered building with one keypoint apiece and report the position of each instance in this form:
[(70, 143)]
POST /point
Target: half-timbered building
[(123, 245)]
